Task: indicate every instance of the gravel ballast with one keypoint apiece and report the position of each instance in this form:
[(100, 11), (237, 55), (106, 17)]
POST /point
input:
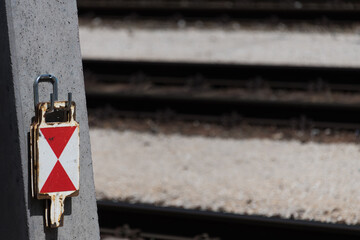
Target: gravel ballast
[(290, 179), (220, 45)]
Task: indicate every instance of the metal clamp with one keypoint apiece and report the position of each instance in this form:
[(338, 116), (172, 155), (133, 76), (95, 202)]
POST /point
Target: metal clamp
[(46, 78)]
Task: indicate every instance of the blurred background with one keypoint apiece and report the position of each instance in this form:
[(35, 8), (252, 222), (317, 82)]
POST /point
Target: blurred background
[(244, 107)]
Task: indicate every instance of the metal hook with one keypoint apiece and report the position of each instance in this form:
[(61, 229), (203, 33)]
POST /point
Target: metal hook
[(46, 78), (51, 102), (69, 101)]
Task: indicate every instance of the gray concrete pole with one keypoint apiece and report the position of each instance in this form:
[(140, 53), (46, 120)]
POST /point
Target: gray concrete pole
[(38, 37)]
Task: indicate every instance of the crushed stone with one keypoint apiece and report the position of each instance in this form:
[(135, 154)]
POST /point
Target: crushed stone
[(289, 179)]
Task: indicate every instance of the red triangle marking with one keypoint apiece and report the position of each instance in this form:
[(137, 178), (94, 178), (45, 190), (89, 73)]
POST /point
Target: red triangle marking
[(58, 137), (58, 181)]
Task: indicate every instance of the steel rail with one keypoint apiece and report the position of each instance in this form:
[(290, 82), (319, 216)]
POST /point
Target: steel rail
[(238, 10), (189, 223), (305, 78), (227, 111), (226, 4)]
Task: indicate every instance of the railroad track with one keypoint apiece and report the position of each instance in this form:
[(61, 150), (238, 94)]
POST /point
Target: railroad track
[(323, 10), (215, 75), (139, 221), (224, 93)]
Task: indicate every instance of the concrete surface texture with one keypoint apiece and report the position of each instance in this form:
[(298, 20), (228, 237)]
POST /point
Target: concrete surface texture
[(43, 38), (12, 207), (289, 179), (218, 45)]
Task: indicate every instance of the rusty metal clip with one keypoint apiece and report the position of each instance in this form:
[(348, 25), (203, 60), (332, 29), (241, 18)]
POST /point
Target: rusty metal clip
[(54, 150)]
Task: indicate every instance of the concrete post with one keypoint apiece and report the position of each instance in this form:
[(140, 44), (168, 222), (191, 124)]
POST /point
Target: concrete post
[(38, 37)]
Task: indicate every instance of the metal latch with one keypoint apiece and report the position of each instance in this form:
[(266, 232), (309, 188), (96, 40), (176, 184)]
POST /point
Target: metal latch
[(54, 146)]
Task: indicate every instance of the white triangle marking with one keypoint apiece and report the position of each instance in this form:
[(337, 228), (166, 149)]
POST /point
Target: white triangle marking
[(69, 158), (47, 160)]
